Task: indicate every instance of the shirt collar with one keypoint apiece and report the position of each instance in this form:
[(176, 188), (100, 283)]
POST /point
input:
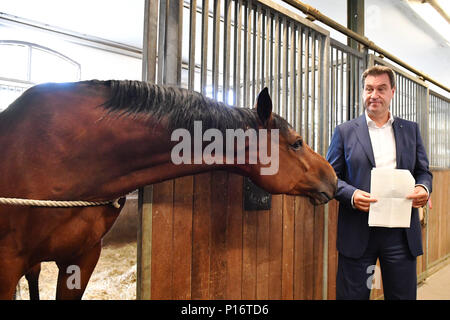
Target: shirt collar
[(371, 123)]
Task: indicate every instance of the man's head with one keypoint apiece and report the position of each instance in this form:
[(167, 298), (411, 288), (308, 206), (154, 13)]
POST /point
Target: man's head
[(378, 90)]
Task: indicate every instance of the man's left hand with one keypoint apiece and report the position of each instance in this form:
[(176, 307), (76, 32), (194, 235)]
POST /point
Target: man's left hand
[(419, 197)]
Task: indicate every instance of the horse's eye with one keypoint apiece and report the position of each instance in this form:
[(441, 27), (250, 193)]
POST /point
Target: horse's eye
[(297, 144)]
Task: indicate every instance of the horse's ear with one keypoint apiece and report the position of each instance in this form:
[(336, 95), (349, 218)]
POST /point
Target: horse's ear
[(264, 106)]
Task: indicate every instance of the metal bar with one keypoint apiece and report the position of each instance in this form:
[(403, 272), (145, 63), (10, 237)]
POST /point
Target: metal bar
[(226, 51), (277, 46), (291, 90), (192, 38), (237, 52), (216, 48), (307, 71), (257, 61), (145, 196), (174, 20), (341, 89), (267, 51), (299, 94), (204, 61), (284, 89), (313, 90), (253, 74), (247, 50), (161, 40), (332, 87)]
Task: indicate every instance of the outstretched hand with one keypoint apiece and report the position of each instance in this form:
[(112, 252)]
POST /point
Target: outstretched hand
[(362, 200), (419, 197)]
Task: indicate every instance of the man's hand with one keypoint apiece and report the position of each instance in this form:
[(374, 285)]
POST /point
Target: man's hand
[(419, 197), (362, 200)]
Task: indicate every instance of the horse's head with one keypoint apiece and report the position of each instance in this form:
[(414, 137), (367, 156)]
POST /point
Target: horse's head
[(299, 170)]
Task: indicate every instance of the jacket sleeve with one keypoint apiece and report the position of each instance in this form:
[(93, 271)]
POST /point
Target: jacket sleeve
[(422, 173), (336, 157)]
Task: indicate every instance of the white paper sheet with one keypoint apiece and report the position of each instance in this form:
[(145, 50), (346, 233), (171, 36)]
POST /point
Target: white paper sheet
[(390, 187)]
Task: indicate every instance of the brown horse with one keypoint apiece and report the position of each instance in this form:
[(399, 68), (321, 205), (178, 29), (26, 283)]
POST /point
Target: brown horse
[(99, 140)]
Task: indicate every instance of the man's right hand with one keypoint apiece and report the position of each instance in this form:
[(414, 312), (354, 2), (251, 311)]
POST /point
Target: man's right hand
[(362, 200)]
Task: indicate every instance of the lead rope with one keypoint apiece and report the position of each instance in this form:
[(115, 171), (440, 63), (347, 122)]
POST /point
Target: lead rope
[(56, 204)]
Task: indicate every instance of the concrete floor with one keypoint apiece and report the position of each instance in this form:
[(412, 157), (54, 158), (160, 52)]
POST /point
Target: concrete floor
[(436, 287)]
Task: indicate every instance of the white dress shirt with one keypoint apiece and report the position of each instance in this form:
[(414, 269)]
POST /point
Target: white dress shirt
[(383, 143), (383, 146)]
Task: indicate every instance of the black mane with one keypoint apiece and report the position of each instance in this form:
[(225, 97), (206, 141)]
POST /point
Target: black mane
[(180, 106)]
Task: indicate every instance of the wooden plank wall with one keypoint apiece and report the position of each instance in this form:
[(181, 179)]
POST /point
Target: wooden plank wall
[(439, 218), (205, 246)]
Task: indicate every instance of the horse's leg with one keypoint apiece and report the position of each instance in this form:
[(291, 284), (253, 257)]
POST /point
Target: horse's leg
[(9, 278), (32, 277), (74, 276)]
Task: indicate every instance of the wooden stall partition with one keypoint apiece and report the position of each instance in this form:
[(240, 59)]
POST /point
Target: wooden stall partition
[(333, 208), (206, 246), (438, 223)]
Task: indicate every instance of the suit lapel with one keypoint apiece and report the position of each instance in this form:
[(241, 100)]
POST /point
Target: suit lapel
[(362, 133), (397, 126)]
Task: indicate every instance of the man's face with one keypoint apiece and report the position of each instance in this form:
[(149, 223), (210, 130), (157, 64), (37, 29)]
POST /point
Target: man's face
[(378, 94)]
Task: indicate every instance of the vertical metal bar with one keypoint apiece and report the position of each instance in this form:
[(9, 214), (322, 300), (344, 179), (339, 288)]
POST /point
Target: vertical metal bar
[(402, 114), (257, 60), (161, 40), (145, 195), (291, 90), (172, 68), (284, 89), (226, 51), (332, 88), (341, 87), (324, 90), (216, 48), (306, 91), (398, 103), (263, 49), (192, 38), (267, 51), (204, 62), (237, 52), (299, 94), (276, 71), (358, 86), (272, 51), (313, 91), (253, 81), (247, 51), (336, 93)]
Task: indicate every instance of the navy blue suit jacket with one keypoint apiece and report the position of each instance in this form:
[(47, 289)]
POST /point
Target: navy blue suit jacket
[(350, 153)]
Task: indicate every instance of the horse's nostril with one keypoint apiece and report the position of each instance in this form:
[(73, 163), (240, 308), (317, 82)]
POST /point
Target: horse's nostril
[(326, 196)]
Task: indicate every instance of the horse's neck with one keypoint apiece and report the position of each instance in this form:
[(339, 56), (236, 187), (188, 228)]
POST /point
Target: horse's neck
[(87, 155)]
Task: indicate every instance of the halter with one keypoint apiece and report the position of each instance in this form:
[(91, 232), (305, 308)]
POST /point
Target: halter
[(56, 204)]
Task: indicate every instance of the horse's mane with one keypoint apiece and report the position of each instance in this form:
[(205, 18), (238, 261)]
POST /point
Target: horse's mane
[(180, 106)]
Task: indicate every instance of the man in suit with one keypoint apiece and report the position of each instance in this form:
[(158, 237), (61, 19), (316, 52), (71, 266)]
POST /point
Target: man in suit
[(377, 139)]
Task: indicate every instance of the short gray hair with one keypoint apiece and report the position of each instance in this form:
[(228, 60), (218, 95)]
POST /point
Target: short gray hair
[(378, 70)]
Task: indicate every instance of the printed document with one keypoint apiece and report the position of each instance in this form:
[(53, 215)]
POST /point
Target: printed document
[(390, 187)]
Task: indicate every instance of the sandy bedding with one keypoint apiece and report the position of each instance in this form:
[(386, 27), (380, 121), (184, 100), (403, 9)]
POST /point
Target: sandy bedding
[(114, 277)]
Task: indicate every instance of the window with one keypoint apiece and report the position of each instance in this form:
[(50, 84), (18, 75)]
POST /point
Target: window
[(24, 64)]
